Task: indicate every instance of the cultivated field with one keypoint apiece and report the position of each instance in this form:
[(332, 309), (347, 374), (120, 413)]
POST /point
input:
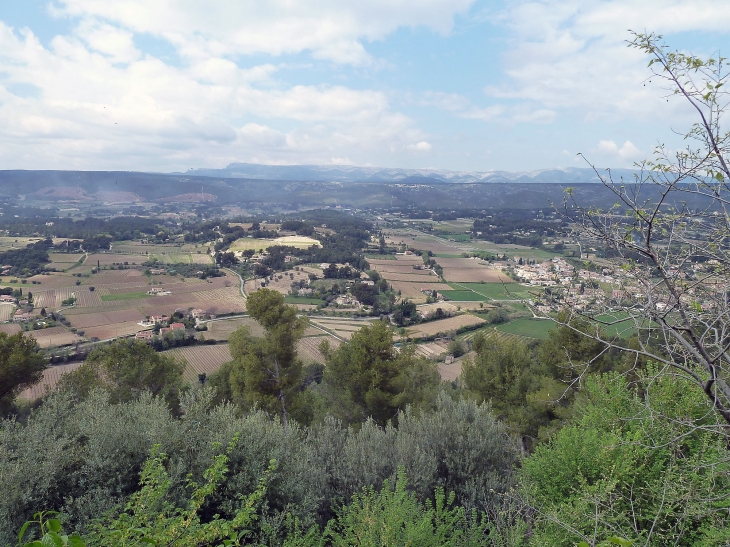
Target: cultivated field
[(431, 350), (120, 301), (341, 328), (222, 330), (308, 348), (6, 311), (54, 336), (250, 243), (528, 327), (425, 242), (200, 359), (281, 282), (64, 261), (489, 291), (9, 243), (50, 379), (432, 328), (412, 290), (472, 270), (452, 307), (10, 328)]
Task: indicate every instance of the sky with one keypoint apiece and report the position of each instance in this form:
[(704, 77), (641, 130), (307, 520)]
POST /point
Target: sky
[(465, 85)]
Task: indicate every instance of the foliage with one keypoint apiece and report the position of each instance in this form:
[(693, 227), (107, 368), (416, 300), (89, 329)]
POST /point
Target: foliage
[(21, 366), (148, 519), (534, 391), (458, 446), (394, 517), (126, 369), (266, 372), (367, 378), (644, 463), (84, 459), (29, 261)]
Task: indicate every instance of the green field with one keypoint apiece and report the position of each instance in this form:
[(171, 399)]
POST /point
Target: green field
[(442, 255), (493, 291), (622, 329), (464, 296), (124, 296), (528, 327), (302, 300)]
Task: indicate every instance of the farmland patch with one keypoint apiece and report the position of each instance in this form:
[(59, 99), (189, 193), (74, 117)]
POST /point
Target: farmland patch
[(222, 330), (528, 327), (124, 296), (200, 359), (433, 328), (50, 379)]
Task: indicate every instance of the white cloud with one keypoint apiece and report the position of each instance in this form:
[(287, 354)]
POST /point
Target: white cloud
[(109, 40), (625, 153), (572, 54), (101, 104), (422, 146), (330, 29)]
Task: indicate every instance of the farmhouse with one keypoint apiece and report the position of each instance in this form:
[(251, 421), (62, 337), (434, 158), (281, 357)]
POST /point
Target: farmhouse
[(157, 291), (197, 313), (144, 335), (154, 320), (173, 327), (21, 315), (347, 300)]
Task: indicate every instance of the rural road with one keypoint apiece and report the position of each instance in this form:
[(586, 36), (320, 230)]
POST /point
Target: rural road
[(243, 293)]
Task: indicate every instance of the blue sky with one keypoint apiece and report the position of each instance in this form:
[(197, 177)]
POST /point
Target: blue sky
[(448, 84)]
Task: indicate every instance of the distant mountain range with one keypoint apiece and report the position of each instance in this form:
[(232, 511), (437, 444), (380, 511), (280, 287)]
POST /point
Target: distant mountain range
[(347, 173)]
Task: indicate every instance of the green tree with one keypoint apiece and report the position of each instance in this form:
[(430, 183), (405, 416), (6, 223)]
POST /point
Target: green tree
[(367, 378), (456, 348), (502, 373), (266, 371), (21, 366), (126, 369)]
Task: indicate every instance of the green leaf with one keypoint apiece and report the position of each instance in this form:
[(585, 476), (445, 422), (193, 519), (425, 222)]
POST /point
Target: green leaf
[(621, 541), (54, 525), (51, 539), (22, 532)]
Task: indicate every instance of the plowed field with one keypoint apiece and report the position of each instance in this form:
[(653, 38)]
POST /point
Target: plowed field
[(444, 325), (51, 376), (201, 359), (54, 336)]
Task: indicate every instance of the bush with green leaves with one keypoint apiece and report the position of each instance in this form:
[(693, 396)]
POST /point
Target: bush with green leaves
[(83, 459), (394, 516), (149, 519), (646, 461)]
